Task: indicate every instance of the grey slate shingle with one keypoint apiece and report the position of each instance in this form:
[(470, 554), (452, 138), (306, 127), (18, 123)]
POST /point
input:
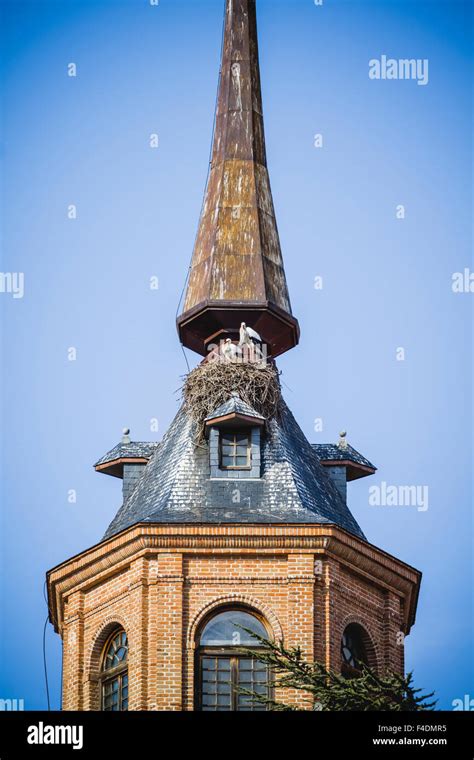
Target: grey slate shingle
[(235, 405), (330, 452), (134, 449), (175, 485)]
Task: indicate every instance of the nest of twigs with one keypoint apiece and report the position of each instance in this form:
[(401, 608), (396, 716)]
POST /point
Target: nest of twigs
[(212, 384)]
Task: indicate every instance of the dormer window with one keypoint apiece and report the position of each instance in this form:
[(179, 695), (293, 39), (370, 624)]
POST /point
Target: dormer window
[(235, 450), (234, 433)]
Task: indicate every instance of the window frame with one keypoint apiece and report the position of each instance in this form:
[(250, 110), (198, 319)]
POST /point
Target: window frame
[(111, 679), (117, 673), (228, 652), (235, 432), (231, 654), (356, 633)]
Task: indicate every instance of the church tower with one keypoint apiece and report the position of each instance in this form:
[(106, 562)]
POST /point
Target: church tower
[(234, 518)]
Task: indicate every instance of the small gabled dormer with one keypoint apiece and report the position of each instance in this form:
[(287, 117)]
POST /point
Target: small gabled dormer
[(343, 463), (127, 461), (234, 433)]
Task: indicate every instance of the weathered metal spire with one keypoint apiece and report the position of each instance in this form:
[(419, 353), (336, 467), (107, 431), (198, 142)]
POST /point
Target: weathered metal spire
[(237, 272)]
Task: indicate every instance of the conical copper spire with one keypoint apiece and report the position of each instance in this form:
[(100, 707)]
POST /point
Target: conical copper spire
[(237, 272)]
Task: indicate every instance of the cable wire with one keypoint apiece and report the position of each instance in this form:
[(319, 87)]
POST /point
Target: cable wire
[(45, 664)]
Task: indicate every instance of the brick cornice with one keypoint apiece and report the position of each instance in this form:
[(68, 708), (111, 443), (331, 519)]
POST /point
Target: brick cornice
[(116, 554)]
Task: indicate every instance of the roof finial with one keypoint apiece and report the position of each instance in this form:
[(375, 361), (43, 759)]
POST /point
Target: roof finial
[(126, 435), (342, 440)]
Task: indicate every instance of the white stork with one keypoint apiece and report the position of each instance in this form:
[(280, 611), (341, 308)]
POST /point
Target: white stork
[(229, 350), (248, 336)]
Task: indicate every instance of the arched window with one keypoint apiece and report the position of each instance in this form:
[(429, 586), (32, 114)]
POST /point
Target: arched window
[(114, 672), (353, 650), (224, 672)]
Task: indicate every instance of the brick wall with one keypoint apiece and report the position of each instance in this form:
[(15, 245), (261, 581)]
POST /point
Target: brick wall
[(162, 596)]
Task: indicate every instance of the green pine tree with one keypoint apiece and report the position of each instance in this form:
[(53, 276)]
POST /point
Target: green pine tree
[(328, 690)]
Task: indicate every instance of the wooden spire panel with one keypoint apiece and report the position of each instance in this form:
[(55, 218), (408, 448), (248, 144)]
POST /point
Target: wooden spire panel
[(237, 272)]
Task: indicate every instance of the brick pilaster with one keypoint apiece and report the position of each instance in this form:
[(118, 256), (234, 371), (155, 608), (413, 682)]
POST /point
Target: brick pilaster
[(170, 635), (73, 660), (393, 658), (301, 583), (138, 634)]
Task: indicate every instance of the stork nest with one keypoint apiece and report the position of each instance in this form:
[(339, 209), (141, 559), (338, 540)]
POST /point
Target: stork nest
[(212, 383)]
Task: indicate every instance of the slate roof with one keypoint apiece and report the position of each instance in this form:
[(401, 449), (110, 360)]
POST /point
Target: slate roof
[(330, 452), (134, 449), (175, 486), (235, 405)]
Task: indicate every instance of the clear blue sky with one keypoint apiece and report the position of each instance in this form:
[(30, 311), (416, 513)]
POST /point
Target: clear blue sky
[(387, 282)]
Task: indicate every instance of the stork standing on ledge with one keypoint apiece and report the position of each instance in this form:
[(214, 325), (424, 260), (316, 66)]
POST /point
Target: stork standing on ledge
[(248, 336)]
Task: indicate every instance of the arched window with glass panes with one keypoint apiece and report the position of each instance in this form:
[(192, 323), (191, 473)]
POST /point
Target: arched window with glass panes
[(354, 650), (227, 678), (114, 673)]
